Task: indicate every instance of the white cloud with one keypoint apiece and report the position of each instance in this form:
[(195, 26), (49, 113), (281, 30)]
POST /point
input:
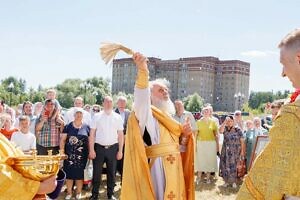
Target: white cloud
[(259, 54)]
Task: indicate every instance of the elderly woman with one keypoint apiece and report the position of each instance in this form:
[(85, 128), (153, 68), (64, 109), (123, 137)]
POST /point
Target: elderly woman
[(74, 142), (259, 130), (206, 151), (233, 149), (7, 129), (38, 108), (12, 114), (250, 138)]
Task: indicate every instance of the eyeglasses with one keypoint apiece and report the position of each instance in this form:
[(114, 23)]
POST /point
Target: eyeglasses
[(96, 110)]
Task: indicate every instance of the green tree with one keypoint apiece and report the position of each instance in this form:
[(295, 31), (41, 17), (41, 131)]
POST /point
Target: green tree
[(258, 98), (4, 95), (67, 91), (281, 95), (13, 90), (286, 93), (252, 112), (92, 90), (193, 103), (99, 88), (18, 86), (38, 96), (35, 95)]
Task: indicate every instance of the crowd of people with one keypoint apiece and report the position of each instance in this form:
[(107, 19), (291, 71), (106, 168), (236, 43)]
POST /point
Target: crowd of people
[(80, 132), (94, 132), (157, 161), (228, 141)]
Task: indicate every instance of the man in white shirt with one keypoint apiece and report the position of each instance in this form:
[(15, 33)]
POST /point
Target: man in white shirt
[(25, 140), (106, 144)]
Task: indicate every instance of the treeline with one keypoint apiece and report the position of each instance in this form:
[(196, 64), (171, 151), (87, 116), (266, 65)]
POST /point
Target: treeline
[(93, 90), (257, 100)]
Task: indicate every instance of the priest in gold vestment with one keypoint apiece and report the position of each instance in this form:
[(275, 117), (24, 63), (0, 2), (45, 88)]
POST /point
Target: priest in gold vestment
[(275, 174), (13, 186), (158, 160)]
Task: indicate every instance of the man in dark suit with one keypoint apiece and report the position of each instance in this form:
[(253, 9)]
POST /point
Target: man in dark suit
[(121, 104)]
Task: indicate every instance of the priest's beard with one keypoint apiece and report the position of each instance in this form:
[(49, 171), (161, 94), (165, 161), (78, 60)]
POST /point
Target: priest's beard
[(166, 106)]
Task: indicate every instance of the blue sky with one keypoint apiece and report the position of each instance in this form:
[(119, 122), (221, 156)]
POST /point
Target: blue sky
[(47, 41)]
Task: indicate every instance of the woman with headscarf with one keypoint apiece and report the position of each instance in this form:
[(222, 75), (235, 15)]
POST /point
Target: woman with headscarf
[(74, 142), (233, 150), (250, 139)]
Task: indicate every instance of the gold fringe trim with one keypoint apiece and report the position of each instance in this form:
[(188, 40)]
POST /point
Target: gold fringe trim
[(109, 50), (253, 191)]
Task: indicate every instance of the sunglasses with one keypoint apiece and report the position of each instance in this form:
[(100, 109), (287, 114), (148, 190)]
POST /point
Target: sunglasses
[(96, 110)]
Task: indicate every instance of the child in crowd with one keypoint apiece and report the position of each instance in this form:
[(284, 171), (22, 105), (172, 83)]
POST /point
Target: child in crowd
[(24, 139), (51, 94)]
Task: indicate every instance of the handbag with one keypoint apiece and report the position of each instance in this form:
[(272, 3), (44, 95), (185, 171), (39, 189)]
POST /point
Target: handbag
[(241, 168), (88, 172)]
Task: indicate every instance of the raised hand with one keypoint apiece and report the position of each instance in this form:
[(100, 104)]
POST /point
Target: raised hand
[(140, 60), (187, 127)]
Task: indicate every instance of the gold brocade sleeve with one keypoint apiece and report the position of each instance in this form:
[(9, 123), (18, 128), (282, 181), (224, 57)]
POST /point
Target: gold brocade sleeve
[(276, 170), (142, 79), (7, 149), (14, 186)]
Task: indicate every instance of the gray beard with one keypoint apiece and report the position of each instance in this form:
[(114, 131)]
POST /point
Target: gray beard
[(165, 106)]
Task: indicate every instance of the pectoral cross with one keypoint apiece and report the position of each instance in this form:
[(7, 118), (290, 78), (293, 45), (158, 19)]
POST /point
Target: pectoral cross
[(171, 159), (171, 196)]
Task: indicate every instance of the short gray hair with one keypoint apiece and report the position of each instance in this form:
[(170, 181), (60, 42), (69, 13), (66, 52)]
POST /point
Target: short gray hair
[(291, 41), (122, 98)]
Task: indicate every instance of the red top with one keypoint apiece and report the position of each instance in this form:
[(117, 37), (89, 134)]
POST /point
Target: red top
[(8, 133)]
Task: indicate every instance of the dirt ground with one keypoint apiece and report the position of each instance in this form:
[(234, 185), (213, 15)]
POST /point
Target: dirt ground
[(213, 191)]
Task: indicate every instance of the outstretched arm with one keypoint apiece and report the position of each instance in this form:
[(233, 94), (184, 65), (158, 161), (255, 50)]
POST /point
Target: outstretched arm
[(142, 101)]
